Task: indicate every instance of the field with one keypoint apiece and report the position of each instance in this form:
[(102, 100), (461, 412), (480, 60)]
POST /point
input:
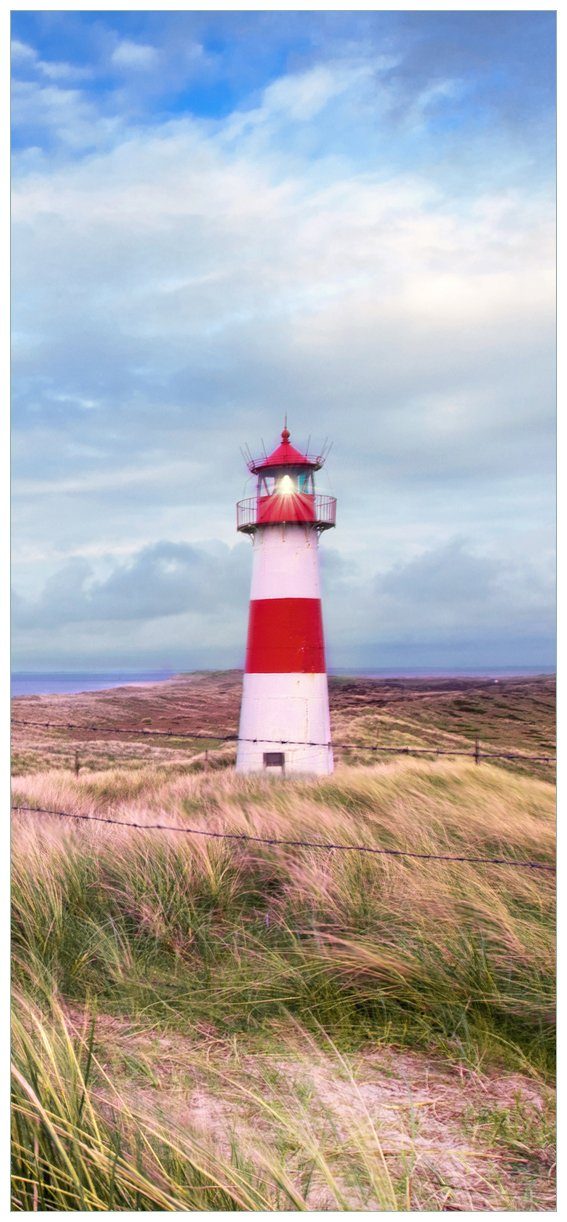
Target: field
[(225, 1024)]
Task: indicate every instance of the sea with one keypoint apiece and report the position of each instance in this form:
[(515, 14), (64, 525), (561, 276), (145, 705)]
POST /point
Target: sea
[(44, 683), (52, 683)]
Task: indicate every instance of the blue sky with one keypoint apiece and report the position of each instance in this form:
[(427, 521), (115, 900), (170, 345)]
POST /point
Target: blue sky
[(221, 217)]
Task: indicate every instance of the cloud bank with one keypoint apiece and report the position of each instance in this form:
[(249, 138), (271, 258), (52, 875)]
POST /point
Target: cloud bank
[(346, 240)]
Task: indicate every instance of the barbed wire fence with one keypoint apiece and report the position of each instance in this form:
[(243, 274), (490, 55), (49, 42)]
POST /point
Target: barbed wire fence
[(244, 837), (232, 737), (476, 752)]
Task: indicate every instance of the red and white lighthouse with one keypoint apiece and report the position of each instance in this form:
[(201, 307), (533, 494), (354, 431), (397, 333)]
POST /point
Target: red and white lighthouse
[(284, 719)]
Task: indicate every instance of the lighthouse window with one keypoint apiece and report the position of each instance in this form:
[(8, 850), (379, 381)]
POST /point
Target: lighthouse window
[(267, 484), (305, 481)]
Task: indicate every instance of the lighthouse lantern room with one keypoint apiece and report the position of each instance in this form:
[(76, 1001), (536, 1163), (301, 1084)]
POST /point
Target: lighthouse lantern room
[(284, 719)]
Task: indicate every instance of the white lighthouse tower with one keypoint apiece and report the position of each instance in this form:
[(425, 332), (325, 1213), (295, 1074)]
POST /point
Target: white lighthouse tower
[(284, 719)]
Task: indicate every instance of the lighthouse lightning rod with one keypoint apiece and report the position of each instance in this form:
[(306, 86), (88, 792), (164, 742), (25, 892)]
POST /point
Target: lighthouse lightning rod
[(322, 454), (247, 456)]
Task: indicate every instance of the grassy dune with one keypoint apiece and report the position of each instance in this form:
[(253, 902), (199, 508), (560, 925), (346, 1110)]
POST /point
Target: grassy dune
[(223, 1024), (443, 714)]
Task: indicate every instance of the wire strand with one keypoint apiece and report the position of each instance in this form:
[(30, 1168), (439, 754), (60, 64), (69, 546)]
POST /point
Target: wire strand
[(273, 840), (289, 742)]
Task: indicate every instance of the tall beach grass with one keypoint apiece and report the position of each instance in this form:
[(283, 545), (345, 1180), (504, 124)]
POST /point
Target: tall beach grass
[(188, 929), (274, 953)]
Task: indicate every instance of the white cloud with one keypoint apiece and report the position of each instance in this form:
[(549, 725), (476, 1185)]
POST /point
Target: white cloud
[(303, 95), (134, 55), (66, 115), (61, 71), (24, 56), (175, 593), (103, 480), (21, 52)]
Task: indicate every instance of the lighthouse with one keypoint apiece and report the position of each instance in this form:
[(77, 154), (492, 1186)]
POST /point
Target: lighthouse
[(284, 718)]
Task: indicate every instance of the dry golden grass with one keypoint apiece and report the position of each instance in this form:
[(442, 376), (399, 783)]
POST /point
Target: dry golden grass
[(283, 1027), (429, 933)]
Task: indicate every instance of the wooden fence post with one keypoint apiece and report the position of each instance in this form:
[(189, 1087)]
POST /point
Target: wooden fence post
[(477, 751), (77, 763)]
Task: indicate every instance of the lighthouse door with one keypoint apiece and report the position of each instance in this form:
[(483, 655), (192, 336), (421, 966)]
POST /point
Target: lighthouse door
[(275, 759)]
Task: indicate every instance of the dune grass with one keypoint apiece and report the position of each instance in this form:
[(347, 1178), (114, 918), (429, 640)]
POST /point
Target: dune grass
[(187, 935), (188, 928), (79, 1144)]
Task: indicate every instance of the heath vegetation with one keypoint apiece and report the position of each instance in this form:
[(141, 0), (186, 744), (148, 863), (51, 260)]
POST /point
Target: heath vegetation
[(226, 1024)]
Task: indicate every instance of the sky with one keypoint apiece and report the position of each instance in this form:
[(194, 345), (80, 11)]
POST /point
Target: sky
[(220, 218)]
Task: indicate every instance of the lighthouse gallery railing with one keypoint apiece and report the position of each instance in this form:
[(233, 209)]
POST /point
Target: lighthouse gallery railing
[(251, 512)]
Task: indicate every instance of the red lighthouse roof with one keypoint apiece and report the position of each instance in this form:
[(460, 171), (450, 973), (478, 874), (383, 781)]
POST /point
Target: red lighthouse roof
[(285, 455)]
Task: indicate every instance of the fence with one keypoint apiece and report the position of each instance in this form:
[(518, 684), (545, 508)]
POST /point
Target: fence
[(475, 752), (275, 840)]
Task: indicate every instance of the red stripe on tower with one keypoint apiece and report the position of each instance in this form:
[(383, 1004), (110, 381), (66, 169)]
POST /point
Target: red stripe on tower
[(285, 636)]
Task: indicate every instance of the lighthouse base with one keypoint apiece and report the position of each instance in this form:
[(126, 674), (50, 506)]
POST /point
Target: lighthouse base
[(284, 724)]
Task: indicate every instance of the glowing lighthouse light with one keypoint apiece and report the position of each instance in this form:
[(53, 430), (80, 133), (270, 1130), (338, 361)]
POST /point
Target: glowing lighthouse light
[(284, 719)]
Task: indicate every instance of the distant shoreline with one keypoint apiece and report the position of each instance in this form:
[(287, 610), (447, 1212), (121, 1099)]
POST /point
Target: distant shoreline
[(53, 683), (445, 672)]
